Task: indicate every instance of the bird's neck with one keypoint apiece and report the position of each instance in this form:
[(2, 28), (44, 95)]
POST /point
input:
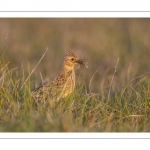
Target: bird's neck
[(66, 70)]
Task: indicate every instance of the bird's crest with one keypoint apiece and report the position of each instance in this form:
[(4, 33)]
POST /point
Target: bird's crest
[(71, 53)]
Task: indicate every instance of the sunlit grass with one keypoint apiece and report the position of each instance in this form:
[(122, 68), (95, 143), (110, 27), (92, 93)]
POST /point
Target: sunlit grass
[(123, 109)]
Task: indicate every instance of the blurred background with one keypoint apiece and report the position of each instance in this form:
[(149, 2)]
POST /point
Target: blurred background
[(102, 41)]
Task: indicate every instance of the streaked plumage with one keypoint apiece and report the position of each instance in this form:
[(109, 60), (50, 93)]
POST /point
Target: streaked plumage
[(63, 84)]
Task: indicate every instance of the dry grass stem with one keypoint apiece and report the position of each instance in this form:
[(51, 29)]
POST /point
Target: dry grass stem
[(112, 78), (91, 80), (34, 68)]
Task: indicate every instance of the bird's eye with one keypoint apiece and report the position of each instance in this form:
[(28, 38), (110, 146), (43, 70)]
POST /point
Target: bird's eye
[(72, 59)]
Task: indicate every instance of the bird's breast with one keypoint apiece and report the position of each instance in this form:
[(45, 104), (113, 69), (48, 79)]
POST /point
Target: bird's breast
[(69, 84)]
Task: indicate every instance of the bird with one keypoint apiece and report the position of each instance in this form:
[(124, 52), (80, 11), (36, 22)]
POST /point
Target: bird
[(64, 83)]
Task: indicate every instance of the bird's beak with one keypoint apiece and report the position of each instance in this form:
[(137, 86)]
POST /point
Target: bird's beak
[(82, 62)]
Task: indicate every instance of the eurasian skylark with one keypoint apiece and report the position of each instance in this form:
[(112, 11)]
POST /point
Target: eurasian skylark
[(63, 84)]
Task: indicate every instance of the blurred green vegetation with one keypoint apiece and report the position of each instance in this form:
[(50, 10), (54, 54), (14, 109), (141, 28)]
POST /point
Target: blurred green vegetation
[(102, 41), (99, 40)]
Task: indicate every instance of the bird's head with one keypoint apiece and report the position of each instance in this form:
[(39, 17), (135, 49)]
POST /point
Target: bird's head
[(71, 60)]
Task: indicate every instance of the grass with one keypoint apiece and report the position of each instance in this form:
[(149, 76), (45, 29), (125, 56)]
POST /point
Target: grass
[(112, 95), (122, 109)]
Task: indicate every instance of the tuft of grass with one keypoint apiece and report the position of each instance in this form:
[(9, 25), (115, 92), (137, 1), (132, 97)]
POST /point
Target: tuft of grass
[(126, 109)]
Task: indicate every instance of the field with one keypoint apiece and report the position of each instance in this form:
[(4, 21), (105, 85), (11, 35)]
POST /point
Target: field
[(112, 95)]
